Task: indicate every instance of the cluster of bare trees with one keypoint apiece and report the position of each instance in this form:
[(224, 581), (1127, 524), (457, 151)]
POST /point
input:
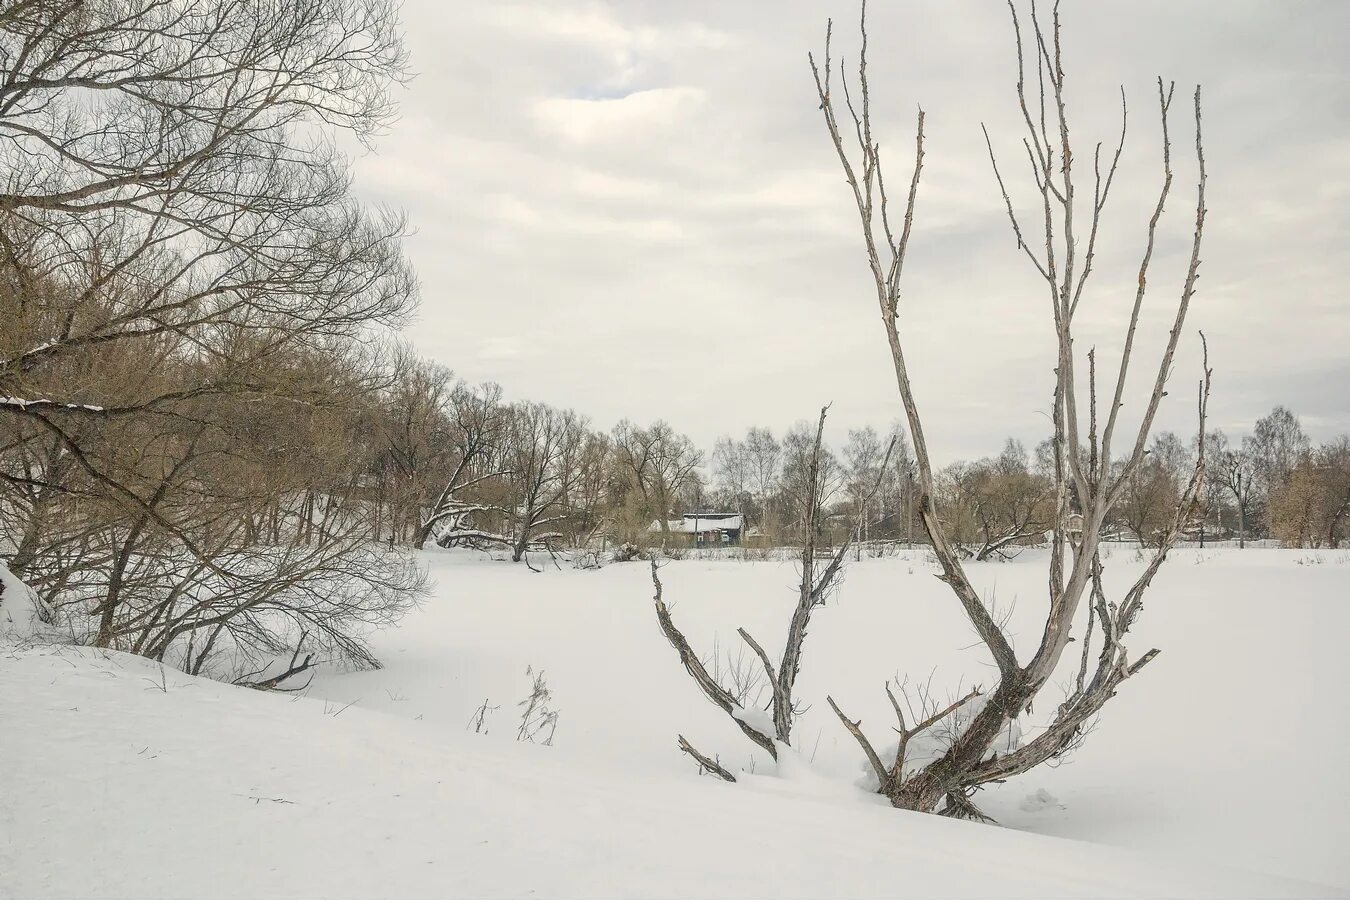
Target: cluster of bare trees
[(187, 288), (1273, 484), (1276, 484), (463, 467), (995, 506), (767, 479), (457, 465)]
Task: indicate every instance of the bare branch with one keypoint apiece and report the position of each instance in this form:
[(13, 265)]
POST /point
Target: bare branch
[(855, 729), (719, 695), (706, 764)]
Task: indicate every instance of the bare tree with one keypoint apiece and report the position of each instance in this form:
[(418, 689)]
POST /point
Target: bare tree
[(1006, 503), (477, 427), (1152, 492), (764, 462), (811, 480), (543, 464), (155, 184), (1310, 507), (1235, 469), (658, 464), (863, 466), (901, 482), (732, 470), (1274, 447), (1083, 468), (1332, 463), (1213, 493), (766, 731), (414, 428)]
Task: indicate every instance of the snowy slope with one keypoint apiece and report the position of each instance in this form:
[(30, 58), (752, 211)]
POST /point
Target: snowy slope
[(119, 779), (1227, 749)]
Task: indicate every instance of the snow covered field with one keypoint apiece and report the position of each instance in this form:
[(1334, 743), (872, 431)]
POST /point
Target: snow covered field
[(1217, 772)]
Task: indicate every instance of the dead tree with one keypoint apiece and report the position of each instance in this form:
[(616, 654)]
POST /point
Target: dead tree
[(1083, 464), (295, 667), (767, 731)]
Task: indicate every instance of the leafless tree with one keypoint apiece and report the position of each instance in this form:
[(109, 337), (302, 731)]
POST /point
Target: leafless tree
[(811, 482), (187, 283), (1005, 502), (413, 429), (1152, 492), (862, 467), (1274, 448), (732, 470), (764, 462), (155, 183), (1214, 494), (171, 191), (1083, 463), (1310, 506), (657, 463), (474, 440), (767, 731), (1235, 470), (543, 463)]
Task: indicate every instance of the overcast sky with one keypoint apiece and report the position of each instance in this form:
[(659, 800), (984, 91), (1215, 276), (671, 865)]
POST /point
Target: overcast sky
[(632, 208)]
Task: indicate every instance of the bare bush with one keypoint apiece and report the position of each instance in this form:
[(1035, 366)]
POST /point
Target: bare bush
[(478, 721), (538, 718)]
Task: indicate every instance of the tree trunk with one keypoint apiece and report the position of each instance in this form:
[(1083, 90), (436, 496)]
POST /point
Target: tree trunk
[(108, 608)]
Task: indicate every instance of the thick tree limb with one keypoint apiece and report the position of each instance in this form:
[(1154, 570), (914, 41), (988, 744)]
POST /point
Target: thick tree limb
[(855, 729), (719, 695), (706, 764)]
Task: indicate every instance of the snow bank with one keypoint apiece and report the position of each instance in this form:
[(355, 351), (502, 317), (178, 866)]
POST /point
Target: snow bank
[(127, 779), (756, 718), (22, 616), (623, 695), (371, 785)]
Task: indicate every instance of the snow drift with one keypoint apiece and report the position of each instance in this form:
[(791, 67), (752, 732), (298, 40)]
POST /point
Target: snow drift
[(122, 778)]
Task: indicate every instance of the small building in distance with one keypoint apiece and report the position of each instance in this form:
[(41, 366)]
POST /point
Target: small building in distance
[(706, 529)]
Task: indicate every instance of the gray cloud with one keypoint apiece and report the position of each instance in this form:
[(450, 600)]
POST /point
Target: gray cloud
[(631, 208)]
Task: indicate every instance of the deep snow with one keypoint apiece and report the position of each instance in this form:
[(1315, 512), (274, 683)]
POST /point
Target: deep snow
[(19, 620), (118, 779)]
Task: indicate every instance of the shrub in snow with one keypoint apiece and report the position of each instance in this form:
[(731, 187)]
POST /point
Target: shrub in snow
[(626, 552), (538, 718), (22, 614), (587, 559)]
